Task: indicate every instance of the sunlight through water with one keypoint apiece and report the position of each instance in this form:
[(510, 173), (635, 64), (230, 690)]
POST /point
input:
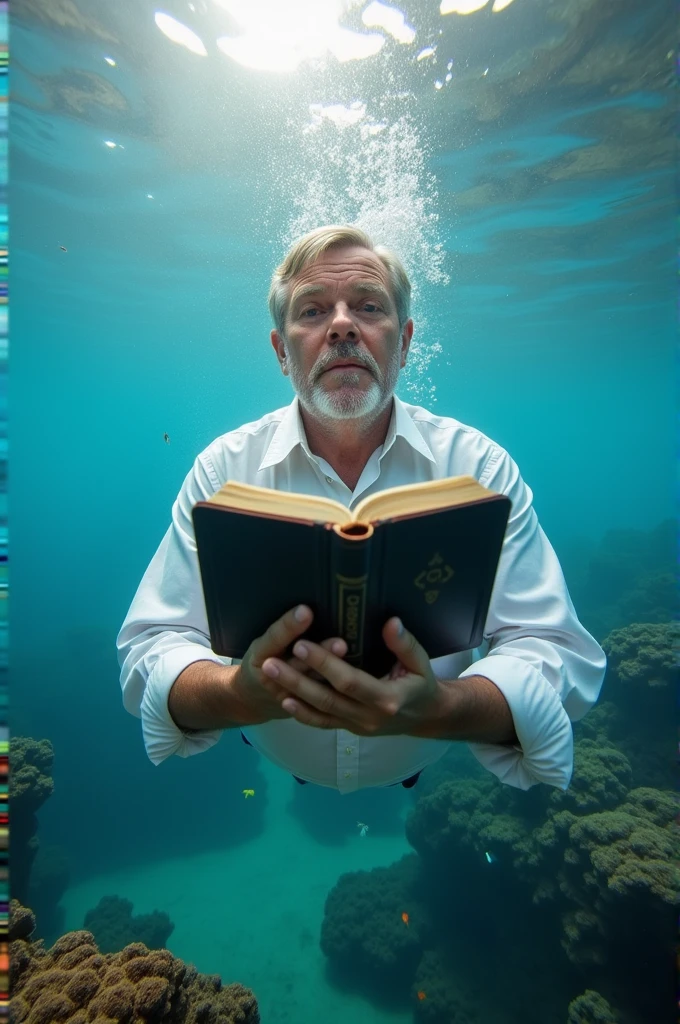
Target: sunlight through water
[(280, 36), (351, 161)]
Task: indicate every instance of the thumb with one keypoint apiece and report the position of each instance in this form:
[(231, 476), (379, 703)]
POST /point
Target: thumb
[(405, 646)]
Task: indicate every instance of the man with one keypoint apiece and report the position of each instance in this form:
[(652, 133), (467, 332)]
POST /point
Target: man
[(342, 332)]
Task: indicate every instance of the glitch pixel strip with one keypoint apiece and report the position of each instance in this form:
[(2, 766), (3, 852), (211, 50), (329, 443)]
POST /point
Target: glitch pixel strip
[(4, 731)]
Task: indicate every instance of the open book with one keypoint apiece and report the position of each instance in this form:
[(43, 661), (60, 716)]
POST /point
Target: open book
[(427, 552)]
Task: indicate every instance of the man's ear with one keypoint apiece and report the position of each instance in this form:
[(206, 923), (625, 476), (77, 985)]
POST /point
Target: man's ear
[(279, 347), (406, 335)]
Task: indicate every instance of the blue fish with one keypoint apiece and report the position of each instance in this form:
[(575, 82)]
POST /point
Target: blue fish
[(490, 857)]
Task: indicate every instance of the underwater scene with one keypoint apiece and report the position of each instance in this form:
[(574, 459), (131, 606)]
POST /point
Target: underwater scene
[(518, 156)]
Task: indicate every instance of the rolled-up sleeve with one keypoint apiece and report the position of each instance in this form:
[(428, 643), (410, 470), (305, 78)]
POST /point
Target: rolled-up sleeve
[(166, 628), (547, 666)]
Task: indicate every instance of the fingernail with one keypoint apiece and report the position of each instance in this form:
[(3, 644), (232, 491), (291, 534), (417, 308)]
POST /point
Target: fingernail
[(270, 669), (338, 647), (300, 651), (300, 613), (400, 627)]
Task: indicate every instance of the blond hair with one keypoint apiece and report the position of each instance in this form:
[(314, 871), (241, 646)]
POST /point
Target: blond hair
[(334, 236)]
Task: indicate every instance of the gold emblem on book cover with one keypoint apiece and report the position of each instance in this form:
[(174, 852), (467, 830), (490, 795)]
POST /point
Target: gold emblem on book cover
[(437, 572)]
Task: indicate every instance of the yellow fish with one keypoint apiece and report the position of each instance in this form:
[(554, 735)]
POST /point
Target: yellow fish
[(248, 792)]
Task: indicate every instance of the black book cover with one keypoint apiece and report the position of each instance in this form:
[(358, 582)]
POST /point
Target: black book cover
[(435, 570)]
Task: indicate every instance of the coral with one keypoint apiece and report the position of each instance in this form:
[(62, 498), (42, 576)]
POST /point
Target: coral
[(591, 1008), (656, 805), (30, 784), (601, 778), (643, 654), (582, 937), (639, 713), (449, 818), (363, 927), (630, 852), (73, 983), (30, 780), (599, 723), (21, 923), (445, 997), (113, 926), (599, 861)]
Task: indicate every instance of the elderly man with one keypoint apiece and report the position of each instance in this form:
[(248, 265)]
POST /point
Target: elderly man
[(340, 306)]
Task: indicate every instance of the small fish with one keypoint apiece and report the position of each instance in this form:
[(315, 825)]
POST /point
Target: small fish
[(248, 792), (63, 248), (404, 918), (490, 857), (421, 995), (166, 438), (363, 829)]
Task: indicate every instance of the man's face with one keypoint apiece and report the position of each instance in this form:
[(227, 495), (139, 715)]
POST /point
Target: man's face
[(342, 347)]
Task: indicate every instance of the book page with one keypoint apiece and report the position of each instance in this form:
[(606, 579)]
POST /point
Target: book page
[(249, 498), (404, 500), (423, 497)]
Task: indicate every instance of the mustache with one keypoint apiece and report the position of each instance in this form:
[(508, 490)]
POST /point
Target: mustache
[(341, 356)]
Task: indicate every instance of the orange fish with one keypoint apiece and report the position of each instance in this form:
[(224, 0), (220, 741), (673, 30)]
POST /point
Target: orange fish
[(404, 918), (421, 995)]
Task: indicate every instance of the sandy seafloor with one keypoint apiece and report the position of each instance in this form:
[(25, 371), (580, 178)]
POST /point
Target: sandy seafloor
[(259, 926)]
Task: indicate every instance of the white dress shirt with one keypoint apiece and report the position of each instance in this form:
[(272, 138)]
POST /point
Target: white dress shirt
[(547, 666)]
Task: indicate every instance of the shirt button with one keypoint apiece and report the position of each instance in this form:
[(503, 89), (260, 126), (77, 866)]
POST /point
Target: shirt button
[(329, 479), (348, 775), (348, 750)]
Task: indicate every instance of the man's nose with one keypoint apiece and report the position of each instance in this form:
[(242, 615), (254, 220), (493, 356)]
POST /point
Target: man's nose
[(342, 323)]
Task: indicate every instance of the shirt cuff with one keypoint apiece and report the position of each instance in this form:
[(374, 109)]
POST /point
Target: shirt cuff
[(546, 743), (162, 737)]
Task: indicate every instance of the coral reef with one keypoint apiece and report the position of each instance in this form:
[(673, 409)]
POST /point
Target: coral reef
[(74, 983), (642, 677), (632, 850), (601, 778), (642, 656), (636, 712), (570, 880), (113, 926), (363, 929), (591, 1008), (444, 999), (30, 784)]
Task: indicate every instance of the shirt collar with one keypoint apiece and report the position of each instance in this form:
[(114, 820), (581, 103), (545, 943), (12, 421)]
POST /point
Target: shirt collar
[(291, 432), (402, 425)]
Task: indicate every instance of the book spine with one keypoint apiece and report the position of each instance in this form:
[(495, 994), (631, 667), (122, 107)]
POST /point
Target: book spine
[(349, 570)]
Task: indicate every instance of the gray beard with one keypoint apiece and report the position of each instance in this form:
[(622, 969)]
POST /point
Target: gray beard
[(344, 403)]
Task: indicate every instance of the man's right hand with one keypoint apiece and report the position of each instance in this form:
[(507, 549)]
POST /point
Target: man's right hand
[(247, 684)]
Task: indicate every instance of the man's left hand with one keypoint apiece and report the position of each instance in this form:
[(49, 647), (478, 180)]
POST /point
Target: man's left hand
[(405, 702)]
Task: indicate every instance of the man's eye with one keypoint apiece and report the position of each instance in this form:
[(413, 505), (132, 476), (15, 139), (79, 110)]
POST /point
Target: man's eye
[(309, 313), (371, 307)]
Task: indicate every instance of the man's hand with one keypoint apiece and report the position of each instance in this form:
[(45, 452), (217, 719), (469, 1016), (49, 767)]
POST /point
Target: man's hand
[(401, 703), (258, 693)]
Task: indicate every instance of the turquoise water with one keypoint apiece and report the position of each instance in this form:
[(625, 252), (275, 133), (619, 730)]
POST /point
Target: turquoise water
[(153, 191)]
